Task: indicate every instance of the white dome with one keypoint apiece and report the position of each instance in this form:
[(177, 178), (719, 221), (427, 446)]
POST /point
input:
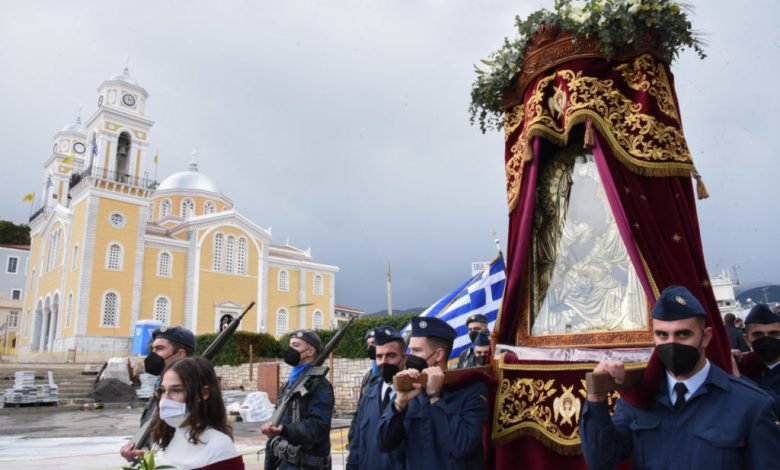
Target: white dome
[(75, 127), (125, 77), (190, 180)]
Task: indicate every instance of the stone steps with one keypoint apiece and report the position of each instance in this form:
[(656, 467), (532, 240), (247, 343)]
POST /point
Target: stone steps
[(73, 385)]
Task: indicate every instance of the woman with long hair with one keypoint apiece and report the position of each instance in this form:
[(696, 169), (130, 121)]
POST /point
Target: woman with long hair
[(190, 429)]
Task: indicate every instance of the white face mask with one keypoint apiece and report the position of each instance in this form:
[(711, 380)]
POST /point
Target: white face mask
[(172, 412)]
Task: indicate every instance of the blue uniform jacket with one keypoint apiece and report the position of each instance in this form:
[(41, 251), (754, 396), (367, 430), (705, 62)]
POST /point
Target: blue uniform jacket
[(726, 424), (364, 452), (445, 435), (769, 381)]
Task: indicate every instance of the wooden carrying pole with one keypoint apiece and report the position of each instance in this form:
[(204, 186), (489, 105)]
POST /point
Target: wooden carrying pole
[(602, 382), (405, 383)]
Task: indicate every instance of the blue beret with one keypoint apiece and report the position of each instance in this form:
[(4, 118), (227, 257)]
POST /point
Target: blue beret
[(432, 327), (177, 334), (478, 318), (385, 334), (677, 303), (483, 339), (309, 336), (762, 314)]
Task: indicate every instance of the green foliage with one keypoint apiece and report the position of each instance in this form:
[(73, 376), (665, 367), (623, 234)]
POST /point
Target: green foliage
[(353, 345), (236, 350), (13, 234), (617, 24)]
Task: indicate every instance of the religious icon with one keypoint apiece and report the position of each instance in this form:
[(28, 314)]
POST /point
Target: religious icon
[(567, 407)]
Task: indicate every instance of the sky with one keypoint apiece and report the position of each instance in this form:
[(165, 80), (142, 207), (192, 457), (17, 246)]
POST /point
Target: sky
[(344, 125)]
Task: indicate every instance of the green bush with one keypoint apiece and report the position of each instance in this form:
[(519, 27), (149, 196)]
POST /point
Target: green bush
[(353, 344), (236, 350)]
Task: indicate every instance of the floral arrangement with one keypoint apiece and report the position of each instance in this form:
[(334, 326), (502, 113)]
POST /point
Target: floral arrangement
[(146, 462), (615, 24)]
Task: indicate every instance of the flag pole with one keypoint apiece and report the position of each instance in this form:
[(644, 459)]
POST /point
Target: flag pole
[(389, 293)]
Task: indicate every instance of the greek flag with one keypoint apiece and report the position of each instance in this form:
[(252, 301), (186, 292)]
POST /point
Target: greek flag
[(480, 294)]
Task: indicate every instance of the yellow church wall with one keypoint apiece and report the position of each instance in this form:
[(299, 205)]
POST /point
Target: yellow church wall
[(199, 201), (77, 227), (278, 299), (29, 298), (51, 281), (104, 279), (321, 302), (172, 287)]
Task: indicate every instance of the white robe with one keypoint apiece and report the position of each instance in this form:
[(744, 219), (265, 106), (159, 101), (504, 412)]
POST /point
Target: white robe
[(216, 446)]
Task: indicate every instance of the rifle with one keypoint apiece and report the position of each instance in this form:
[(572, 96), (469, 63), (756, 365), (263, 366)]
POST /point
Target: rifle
[(141, 437), (316, 370)]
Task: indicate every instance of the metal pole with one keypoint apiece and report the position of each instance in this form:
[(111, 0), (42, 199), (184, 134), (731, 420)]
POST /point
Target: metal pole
[(251, 362), (389, 293)]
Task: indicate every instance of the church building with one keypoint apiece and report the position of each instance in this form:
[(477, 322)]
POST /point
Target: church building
[(110, 246)]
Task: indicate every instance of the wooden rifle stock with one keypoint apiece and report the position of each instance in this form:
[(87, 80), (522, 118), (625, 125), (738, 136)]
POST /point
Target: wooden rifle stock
[(141, 437), (404, 383), (602, 382)]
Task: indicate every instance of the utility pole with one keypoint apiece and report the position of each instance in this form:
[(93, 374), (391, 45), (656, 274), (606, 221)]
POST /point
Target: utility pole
[(389, 293)]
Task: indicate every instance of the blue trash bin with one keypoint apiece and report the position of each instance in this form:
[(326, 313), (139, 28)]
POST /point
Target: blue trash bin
[(142, 336)]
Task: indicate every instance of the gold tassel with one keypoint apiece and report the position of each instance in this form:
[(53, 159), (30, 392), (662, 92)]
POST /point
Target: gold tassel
[(701, 189), (590, 140)]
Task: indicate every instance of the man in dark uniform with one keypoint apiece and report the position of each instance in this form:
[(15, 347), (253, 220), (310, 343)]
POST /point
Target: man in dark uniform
[(482, 349), (435, 428), (476, 324), (168, 345), (371, 376), (302, 439), (763, 329), (736, 340), (701, 417), (390, 358)]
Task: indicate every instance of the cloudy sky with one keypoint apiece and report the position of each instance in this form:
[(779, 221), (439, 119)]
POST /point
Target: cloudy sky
[(344, 125)]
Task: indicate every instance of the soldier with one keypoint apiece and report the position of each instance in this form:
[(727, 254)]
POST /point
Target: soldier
[(168, 345), (435, 428), (763, 328), (476, 324), (369, 378), (482, 349), (700, 417), (302, 439), (390, 358)]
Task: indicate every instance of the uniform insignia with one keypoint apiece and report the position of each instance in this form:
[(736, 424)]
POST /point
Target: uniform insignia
[(371, 333), (387, 332), (300, 334), (680, 300), (163, 329), (423, 324), (472, 318)]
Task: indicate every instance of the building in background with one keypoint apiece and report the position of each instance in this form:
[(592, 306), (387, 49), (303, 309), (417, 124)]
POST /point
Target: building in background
[(724, 286), (110, 247), (14, 259), (343, 313)]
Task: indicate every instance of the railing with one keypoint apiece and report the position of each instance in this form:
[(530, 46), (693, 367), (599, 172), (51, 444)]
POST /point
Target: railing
[(37, 213), (111, 175)]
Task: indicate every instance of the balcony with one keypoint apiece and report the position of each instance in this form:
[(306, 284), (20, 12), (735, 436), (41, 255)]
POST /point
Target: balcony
[(110, 180)]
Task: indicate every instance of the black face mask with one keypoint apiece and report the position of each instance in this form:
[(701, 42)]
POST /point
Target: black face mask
[(473, 335), (767, 348), (416, 362), (372, 352), (481, 360), (154, 364), (292, 356), (388, 371), (679, 359)]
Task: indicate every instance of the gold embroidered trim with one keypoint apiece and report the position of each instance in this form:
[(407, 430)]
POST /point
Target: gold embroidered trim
[(642, 74), (513, 121)]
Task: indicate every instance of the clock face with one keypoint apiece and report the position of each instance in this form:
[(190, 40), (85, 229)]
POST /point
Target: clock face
[(100, 100), (79, 147), (129, 100)]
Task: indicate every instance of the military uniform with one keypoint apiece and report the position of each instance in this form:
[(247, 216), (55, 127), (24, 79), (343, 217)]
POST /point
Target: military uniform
[(726, 424), (364, 452), (467, 358), (769, 381), (769, 378), (368, 378)]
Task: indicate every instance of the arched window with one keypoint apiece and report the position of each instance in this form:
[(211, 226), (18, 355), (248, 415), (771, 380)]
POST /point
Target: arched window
[(241, 258), (114, 257), (54, 248), (27, 322), (187, 208), (316, 320), (164, 264), (162, 310), (74, 262), (230, 247), (317, 284), (281, 322), (209, 208), (110, 316), (283, 283), (219, 247), (122, 157), (69, 310), (165, 208)]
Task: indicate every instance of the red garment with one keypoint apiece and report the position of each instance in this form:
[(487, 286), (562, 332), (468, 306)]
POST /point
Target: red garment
[(236, 463)]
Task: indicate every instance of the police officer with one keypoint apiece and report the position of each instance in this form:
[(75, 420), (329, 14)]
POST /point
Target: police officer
[(700, 417), (168, 345), (369, 378), (763, 330), (302, 439), (390, 359), (476, 324), (435, 427), (482, 349)]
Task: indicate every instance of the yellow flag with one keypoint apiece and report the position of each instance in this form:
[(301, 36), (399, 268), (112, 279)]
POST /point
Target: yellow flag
[(155, 158), (28, 197), (68, 160)]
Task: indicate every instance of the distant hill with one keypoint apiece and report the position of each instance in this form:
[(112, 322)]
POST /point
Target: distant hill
[(383, 313), (767, 293)]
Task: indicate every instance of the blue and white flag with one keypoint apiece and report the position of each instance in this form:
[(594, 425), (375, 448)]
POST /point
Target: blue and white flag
[(480, 294)]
